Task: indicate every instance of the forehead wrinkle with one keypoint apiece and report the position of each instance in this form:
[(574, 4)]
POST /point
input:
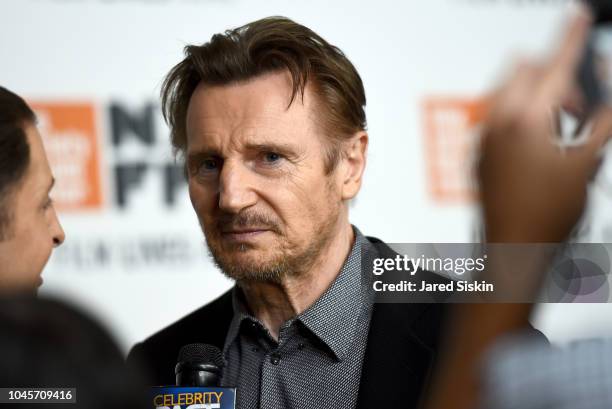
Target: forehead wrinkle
[(242, 136), (243, 99), (234, 114), (240, 100)]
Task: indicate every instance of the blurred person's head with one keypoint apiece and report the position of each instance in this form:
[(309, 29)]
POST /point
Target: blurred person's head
[(29, 228), (270, 119), (46, 343)]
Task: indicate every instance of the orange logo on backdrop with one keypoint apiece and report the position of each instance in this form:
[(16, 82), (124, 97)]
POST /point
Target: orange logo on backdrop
[(70, 139), (451, 133)]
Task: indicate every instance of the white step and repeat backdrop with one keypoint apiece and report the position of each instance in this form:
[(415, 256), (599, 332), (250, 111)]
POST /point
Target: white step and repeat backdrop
[(134, 254)]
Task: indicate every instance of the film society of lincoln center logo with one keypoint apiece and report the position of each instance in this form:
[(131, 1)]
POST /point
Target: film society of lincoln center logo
[(70, 137), (451, 131)]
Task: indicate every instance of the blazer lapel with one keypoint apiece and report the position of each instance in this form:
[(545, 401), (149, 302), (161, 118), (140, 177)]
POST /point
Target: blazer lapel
[(399, 355)]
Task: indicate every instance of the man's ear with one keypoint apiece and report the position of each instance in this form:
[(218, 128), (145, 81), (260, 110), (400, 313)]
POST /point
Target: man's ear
[(353, 164)]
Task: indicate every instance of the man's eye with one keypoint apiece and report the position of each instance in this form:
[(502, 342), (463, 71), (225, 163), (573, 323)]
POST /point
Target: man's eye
[(48, 203), (272, 157), (209, 165)]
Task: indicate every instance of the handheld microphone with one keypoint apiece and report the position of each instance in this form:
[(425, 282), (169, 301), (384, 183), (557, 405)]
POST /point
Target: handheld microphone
[(198, 365), (198, 373)]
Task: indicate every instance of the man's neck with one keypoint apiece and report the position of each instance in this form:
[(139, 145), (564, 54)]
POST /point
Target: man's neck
[(275, 303)]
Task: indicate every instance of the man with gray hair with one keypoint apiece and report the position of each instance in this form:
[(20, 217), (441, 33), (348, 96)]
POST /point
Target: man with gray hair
[(270, 120)]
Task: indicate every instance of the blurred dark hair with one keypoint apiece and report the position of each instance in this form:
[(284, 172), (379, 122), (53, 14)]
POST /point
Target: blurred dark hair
[(15, 116), (271, 44), (46, 343)]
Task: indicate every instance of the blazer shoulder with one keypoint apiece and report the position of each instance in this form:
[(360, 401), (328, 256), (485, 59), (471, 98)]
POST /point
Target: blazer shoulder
[(157, 354), (212, 315)]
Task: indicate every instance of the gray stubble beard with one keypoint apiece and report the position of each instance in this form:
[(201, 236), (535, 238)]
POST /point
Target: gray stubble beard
[(285, 265)]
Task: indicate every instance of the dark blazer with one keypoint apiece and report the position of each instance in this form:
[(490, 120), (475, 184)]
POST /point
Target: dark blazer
[(401, 346)]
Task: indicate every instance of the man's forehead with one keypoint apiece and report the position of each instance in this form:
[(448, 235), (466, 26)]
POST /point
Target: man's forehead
[(247, 137), (38, 181), (274, 89), (237, 114), (266, 95), (39, 171)]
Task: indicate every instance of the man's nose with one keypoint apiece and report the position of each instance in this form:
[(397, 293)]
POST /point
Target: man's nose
[(57, 232), (235, 188)]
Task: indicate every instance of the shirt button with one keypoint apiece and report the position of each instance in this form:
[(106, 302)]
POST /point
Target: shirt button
[(275, 359), (301, 346)]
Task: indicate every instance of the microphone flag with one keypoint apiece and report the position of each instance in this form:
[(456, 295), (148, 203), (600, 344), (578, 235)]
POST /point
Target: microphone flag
[(188, 397)]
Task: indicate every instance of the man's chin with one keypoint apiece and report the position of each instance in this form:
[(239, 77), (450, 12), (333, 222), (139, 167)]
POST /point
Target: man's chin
[(26, 290), (249, 265)]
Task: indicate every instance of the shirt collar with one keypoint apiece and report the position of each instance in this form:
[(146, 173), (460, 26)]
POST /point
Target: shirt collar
[(333, 318), (240, 314)]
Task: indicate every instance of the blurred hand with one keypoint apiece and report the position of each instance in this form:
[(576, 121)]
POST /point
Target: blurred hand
[(531, 189)]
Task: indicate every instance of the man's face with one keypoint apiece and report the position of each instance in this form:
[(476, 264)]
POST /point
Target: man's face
[(257, 178), (34, 229)]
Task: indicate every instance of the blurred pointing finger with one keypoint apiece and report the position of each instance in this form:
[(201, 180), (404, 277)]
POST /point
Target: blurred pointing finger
[(565, 60)]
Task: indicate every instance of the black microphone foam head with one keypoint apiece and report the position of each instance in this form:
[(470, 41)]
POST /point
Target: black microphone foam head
[(202, 354), (198, 365)]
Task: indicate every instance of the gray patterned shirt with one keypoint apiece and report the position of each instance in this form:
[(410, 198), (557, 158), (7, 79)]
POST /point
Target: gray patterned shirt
[(318, 357)]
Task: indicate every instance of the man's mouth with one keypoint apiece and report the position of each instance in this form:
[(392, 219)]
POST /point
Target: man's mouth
[(243, 234)]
